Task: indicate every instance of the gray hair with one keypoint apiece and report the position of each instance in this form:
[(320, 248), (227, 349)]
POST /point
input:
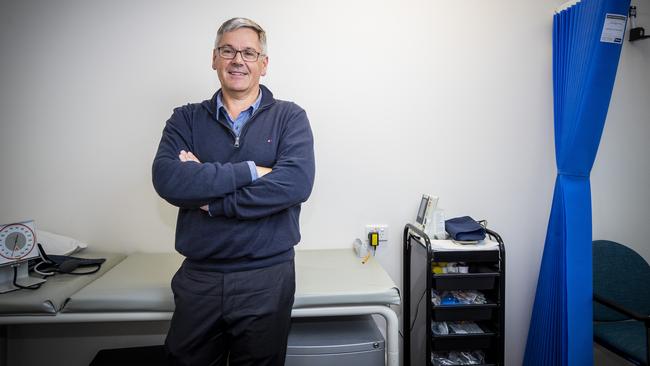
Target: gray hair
[(236, 23)]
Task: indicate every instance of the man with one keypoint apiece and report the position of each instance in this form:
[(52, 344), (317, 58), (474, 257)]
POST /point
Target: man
[(238, 166)]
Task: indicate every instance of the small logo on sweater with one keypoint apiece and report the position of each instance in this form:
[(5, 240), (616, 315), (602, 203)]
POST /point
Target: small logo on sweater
[(269, 141)]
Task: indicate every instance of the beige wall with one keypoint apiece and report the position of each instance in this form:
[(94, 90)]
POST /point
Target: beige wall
[(446, 97)]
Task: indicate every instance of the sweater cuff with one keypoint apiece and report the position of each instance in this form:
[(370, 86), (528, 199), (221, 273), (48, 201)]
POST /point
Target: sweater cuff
[(242, 174), (253, 169), (215, 208)]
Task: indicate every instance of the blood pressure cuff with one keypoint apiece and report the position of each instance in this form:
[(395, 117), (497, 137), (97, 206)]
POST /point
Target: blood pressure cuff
[(464, 228), (72, 265)]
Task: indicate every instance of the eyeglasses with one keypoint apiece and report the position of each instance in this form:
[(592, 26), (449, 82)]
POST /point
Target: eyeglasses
[(229, 53)]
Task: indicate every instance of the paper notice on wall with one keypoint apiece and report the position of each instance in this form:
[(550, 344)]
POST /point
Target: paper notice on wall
[(613, 29)]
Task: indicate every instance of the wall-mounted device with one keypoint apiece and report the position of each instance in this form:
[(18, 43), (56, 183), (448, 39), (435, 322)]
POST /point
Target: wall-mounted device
[(636, 33), (425, 212)]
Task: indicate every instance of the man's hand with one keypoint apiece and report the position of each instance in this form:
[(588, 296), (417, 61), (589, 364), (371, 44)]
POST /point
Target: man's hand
[(262, 171), (186, 156)]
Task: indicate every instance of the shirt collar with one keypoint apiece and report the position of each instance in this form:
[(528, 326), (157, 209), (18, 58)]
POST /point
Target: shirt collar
[(254, 106)]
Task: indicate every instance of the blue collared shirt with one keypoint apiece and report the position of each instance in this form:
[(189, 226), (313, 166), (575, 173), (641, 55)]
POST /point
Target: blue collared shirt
[(240, 121)]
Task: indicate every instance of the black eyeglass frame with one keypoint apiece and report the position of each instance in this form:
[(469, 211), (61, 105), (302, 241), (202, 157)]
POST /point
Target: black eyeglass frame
[(257, 54)]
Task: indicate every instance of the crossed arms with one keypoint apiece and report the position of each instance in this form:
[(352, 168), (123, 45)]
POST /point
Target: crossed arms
[(227, 189), (186, 156)]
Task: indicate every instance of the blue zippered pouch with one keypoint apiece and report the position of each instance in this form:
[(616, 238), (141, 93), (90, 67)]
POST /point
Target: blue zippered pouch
[(464, 228)]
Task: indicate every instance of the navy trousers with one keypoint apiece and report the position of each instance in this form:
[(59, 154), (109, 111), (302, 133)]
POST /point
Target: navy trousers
[(243, 317)]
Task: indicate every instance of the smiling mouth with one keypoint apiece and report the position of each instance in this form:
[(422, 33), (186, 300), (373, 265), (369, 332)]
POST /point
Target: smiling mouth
[(237, 73)]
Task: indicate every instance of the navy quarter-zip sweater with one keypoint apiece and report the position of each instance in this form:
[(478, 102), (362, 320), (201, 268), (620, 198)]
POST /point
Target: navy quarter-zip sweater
[(251, 224)]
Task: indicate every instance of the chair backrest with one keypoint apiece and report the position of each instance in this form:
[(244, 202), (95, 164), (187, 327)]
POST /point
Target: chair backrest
[(622, 275)]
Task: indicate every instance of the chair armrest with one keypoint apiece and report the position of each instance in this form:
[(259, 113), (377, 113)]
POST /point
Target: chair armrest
[(633, 314)]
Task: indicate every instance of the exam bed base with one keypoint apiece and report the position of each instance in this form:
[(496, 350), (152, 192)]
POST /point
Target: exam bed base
[(392, 344)]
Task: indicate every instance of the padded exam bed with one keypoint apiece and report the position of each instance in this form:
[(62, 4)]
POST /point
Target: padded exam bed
[(137, 288)]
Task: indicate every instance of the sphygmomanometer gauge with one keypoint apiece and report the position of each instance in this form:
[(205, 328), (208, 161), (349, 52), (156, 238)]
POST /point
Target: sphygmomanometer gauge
[(17, 241)]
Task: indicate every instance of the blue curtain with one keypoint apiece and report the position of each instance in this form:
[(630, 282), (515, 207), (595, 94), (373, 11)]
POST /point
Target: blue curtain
[(586, 50)]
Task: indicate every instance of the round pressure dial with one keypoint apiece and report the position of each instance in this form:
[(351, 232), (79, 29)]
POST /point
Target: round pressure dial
[(16, 241)]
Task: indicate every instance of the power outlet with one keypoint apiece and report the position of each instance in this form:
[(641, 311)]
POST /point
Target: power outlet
[(381, 229)]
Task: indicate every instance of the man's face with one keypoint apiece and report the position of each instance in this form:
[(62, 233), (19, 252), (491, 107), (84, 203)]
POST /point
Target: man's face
[(237, 75)]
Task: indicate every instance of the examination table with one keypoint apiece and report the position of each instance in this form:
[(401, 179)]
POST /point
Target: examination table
[(136, 288)]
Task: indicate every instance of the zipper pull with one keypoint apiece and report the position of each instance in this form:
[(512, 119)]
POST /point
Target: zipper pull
[(237, 141)]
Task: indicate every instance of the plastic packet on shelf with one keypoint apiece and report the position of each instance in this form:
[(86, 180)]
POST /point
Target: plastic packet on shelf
[(441, 359), (435, 298), (469, 297), (468, 358), (448, 298), (465, 328), (460, 327), (439, 328), (457, 297), (457, 358)]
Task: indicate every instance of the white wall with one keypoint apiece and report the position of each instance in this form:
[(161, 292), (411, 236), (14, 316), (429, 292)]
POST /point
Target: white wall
[(450, 98), (621, 174)]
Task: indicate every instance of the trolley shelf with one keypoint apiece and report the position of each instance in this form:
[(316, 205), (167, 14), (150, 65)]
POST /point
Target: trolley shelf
[(467, 256), (468, 341), (457, 312), (465, 281)]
